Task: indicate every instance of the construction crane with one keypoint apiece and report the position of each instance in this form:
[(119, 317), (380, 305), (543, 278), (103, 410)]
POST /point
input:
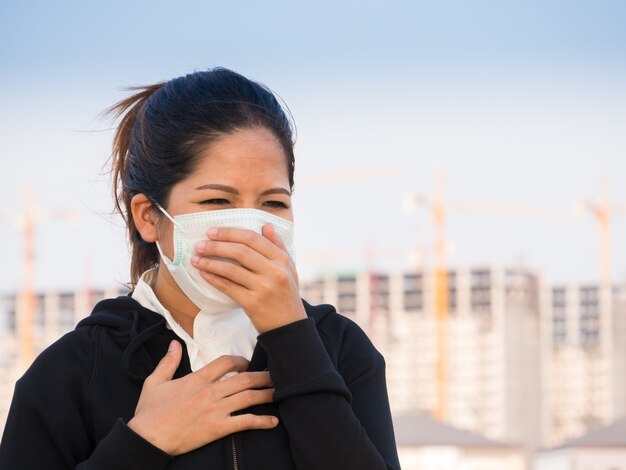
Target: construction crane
[(26, 303), (603, 211), (438, 211), (439, 206)]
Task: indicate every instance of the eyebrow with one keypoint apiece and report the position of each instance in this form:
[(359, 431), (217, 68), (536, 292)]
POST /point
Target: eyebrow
[(230, 189)]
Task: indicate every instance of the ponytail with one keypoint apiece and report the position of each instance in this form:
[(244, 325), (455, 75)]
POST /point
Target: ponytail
[(143, 255)]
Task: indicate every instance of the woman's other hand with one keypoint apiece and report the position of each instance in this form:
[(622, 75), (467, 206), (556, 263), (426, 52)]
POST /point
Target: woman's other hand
[(184, 414), (264, 280)]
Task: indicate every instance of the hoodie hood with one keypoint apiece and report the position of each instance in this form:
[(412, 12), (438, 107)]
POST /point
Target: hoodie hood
[(130, 326), (122, 314)]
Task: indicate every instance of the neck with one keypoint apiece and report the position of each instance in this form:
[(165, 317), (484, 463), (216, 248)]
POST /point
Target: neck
[(182, 309)]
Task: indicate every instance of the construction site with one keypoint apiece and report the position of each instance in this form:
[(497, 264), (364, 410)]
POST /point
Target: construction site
[(502, 362)]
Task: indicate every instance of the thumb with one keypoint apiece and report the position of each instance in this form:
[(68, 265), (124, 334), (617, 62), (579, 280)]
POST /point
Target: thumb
[(167, 366)]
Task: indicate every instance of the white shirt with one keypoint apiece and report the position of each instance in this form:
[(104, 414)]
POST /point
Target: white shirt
[(230, 332)]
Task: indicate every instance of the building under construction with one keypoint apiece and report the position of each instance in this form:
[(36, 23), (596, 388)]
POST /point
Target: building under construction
[(513, 358), (584, 360), (518, 360)]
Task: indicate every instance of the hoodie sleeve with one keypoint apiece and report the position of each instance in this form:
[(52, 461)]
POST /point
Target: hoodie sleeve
[(337, 417), (48, 422)]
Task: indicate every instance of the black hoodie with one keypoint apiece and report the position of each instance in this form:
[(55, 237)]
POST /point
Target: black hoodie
[(71, 407)]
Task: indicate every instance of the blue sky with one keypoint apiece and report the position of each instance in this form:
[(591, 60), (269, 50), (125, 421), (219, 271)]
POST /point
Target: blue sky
[(520, 103), (127, 33)]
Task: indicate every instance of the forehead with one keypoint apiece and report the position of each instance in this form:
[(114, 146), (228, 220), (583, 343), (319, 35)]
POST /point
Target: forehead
[(244, 153)]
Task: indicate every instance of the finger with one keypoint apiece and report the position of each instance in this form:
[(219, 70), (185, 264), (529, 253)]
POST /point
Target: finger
[(250, 421), (244, 381), (240, 253), (226, 269), (221, 366), (247, 398), (269, 232), (233, 290), (250, 238), (166, 368)]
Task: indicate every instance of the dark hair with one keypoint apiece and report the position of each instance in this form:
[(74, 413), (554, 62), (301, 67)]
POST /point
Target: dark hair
[(165, 126)]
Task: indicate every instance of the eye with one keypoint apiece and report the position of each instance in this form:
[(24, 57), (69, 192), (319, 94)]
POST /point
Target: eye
[(276, 204), (216, 202)]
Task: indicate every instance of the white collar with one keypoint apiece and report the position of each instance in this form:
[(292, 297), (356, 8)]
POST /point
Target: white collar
[(229, 332)]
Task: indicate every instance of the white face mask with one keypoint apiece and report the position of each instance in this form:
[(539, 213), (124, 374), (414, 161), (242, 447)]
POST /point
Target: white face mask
[(191, 228)]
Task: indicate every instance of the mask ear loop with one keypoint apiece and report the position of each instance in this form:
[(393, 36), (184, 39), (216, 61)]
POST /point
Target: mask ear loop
[(165, 258), (166, 214)]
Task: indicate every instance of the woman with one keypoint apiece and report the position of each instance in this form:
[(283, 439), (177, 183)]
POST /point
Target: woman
[(213, 361)]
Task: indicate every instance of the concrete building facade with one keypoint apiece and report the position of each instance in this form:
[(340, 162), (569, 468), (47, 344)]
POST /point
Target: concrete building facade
[(492, 381), (526, 361), (584, 360)]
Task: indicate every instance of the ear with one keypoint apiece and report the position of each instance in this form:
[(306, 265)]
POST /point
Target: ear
[(144, 217)]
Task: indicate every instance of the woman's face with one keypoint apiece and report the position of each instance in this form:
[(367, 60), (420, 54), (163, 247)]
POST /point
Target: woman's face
[(245, 169)]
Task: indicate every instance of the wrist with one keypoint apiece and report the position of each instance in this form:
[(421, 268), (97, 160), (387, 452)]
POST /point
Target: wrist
[(150, 435), (274, 323)]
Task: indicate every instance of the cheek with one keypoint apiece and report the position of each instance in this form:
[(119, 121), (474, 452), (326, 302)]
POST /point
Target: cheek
[(289, 214)]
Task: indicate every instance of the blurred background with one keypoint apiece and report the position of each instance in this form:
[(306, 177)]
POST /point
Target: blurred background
[(459, 193)]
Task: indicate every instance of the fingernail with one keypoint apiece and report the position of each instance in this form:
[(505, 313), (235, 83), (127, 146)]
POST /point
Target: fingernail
[(195, 259), (201, 245), (171, 346), (274, 420), (212, 232)]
